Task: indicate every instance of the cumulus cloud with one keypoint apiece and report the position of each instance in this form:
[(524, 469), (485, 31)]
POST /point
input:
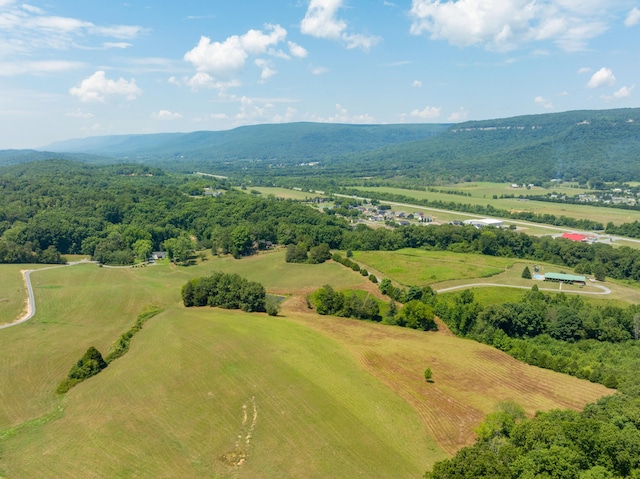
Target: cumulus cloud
[(321, 21), (267, 71), (343, 116), (504, 25), (619, 94), (416, 84), (429, 112), (633, 17), (227, 57), (166, 115), (623, 92), (98, 87), (603, 77), (297, 50), (545, 103)]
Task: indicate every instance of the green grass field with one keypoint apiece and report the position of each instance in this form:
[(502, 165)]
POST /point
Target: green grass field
[(211, 393), (286, 193), (12, 292), (416, 267), (482, 195)]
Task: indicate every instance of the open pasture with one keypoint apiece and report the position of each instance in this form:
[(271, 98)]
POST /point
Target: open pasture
[(12, 292), (211, 393), (594, 213), (416, 267)]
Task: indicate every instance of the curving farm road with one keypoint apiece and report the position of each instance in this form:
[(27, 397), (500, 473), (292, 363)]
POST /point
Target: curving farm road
[(604, 289), (31, 302)]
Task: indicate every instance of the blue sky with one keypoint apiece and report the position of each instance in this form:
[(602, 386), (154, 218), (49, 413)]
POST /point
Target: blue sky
[(72, 69)]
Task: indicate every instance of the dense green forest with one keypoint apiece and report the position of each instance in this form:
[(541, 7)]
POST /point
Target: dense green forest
[(568, 335), (582, 146), (118, 212)]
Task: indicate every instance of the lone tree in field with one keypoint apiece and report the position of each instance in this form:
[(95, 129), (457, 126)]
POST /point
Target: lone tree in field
[(526, 273), (428, 375)]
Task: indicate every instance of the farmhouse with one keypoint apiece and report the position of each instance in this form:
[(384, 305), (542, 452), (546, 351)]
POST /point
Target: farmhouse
[(566, 278), (484, 222)]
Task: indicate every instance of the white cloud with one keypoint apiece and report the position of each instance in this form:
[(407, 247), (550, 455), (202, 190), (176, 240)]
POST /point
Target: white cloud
[(416, 84), (603, 77), (267, 71), (544, 102), (297, 51), (288, 116), (504, 25), (320, 21), (97, 88), (121, 45), (633, 18), (166, 115), (623, 92), (37, 67), (319, 70), (429, 112), (460, 115), (584, 70), (79, 114), (229, 56), (26, 28), (620, 94), (343, 116)]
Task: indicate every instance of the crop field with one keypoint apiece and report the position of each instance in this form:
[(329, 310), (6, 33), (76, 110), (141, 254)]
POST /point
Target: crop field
[(206, 392), (479, 197), (416, 267)]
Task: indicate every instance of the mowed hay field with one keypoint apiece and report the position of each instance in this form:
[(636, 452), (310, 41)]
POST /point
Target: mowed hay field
[(211, 393), (419, 267)]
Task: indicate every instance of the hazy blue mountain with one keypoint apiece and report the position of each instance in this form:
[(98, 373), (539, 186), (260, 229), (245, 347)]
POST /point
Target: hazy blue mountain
[(286, 142)]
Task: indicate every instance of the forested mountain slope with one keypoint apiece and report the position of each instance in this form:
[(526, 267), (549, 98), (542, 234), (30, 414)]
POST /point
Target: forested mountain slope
[(572, 145), (282, 142), (575, 145)]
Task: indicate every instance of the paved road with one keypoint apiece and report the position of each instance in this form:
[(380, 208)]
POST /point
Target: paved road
[(473, 215), (31, 302)]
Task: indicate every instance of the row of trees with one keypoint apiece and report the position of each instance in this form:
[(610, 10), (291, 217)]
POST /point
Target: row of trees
[(229, 291), (348, 305)]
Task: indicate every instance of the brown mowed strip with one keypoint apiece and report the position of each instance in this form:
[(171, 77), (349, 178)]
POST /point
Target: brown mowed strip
[(469, 378)]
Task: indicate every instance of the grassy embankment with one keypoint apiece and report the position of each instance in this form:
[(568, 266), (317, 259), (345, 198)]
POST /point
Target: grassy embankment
[(212, 393)]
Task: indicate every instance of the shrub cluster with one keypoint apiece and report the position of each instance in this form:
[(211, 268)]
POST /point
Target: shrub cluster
[(349, 305), (89, 365), (229, 291)]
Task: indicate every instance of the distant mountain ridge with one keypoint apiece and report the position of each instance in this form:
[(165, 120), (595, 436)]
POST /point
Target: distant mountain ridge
[(583, 145), (287, 142)]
